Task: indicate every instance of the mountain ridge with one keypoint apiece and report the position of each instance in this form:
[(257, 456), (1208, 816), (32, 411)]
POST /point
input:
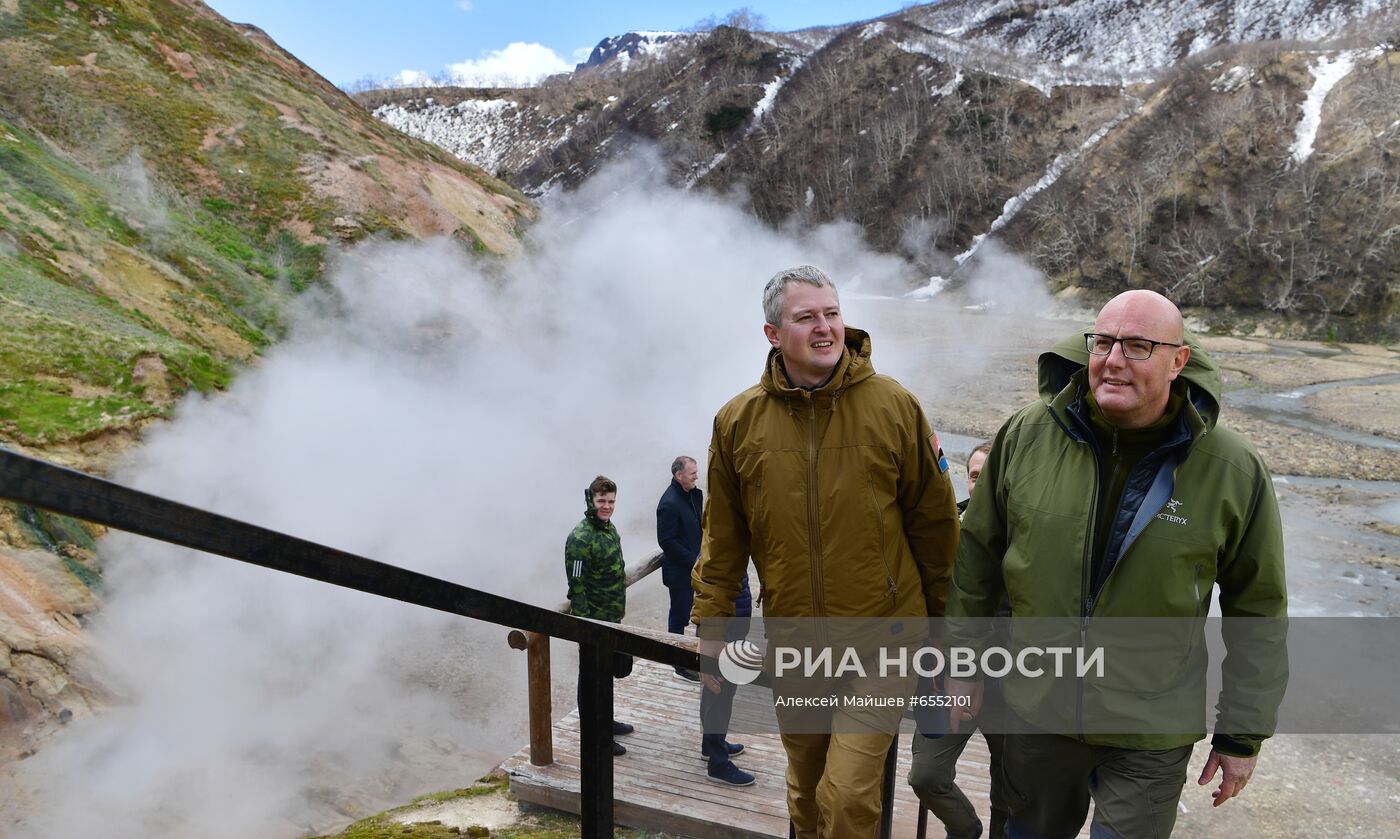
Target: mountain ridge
[(920, 126)]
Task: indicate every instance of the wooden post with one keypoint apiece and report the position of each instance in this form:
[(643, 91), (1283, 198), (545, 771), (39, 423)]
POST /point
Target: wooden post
[(536, 647), (595, 715)]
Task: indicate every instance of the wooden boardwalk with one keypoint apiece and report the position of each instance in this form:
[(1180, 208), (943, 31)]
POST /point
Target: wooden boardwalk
[(660, 784)]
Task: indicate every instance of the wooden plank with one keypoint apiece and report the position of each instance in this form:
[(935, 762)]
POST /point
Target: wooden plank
[(661, 783)]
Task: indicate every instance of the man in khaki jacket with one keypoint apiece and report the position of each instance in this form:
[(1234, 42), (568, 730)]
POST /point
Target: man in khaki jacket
[(828, 476)]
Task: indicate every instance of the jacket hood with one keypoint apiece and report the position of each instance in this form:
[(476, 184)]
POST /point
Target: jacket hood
[(853, 367), (1058, 368)]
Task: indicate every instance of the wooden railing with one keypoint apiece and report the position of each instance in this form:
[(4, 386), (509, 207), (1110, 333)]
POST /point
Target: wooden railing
[(539, 677), (41, 484)]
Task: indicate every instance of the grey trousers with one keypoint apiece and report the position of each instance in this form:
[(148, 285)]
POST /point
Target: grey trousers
[(933, 773)]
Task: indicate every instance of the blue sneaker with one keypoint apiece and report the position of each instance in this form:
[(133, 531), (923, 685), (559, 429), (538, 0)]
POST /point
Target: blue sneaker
[(731, 749), (728, 773)]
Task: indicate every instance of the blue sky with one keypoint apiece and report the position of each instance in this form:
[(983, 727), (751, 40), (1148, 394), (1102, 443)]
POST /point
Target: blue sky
[(345, 40)]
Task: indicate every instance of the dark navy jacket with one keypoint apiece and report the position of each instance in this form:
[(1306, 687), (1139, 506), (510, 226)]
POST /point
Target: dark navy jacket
[(678, 517), (678, 532)]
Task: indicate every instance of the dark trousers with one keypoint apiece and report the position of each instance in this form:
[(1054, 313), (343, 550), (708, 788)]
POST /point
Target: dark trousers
[(622, 668), (1051, 779), (716, 709), (682, 599)]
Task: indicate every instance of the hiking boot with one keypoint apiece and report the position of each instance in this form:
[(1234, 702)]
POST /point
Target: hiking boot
[(688, 675), (620, 728), (618, 749), (731, 749), (728, 773)]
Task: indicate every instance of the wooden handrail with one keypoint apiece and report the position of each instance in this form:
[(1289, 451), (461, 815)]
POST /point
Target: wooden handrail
[(539, 678), (38, 483)]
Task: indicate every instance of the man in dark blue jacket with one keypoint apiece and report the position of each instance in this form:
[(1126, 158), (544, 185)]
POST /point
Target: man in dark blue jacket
[(678, 534), (678, 517)]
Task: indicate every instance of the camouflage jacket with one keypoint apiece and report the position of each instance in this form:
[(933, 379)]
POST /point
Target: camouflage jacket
[(593, 564)]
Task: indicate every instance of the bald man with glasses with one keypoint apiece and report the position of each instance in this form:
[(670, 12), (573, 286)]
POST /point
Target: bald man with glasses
[(1117, 497)]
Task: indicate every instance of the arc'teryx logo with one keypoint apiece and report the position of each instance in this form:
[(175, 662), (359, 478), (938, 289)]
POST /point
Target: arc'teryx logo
[(1171, 515)]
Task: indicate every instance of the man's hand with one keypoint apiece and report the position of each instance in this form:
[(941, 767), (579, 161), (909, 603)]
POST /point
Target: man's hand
[(712, 650), (1237, 771), (959, 714)]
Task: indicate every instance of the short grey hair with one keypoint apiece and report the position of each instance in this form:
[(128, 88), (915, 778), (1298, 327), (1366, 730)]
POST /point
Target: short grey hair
[(678, 465), (777, 286)]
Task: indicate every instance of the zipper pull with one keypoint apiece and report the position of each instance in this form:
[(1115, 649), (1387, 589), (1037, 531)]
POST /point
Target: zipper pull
[(1115, 441), (894, 590)]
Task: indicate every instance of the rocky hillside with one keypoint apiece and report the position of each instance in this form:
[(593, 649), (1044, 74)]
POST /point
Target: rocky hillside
[(168, 179), (1242, 157)]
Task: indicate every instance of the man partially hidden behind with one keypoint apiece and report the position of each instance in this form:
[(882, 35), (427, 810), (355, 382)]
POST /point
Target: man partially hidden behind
[(678, 533), (933, 767), (1116, 497), (829, 477), (597, 575)]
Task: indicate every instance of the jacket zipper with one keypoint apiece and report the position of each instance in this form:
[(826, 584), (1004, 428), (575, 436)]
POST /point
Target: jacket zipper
[(1196, 589), (880, 530), (813, 531), (1085, 597)]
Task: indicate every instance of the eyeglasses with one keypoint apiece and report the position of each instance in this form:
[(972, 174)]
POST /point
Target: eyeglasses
[(1134, 349)]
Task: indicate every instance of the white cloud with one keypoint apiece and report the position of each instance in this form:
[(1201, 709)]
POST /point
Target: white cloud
[(517, 64), (464, 5), (411, 78)]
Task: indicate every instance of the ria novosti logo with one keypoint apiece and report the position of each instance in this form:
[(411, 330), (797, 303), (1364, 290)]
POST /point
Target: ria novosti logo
[(740, 662)]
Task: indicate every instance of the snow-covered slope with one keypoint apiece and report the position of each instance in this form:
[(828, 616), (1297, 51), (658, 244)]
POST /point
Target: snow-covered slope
[(495, 134), (1096, 39), (618, 51)]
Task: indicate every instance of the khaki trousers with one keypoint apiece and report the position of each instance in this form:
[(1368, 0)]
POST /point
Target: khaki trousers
[(835, 775)]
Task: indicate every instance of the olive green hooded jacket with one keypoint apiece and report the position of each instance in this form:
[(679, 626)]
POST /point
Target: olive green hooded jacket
[(1198, 513), (839, 494)]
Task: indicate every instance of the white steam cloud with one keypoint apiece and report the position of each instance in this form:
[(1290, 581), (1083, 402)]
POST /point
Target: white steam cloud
[(136, 194), (442, 413)]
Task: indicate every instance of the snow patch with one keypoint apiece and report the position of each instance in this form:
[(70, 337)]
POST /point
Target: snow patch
[(1326, 73), (770, 93), (1057, 168), (951, 86), (935, 285), (1233, 79), (706, 169), (872, 30)]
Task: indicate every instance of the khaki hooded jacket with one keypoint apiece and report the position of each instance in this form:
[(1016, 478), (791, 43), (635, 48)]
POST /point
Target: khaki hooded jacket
[(839, 494)]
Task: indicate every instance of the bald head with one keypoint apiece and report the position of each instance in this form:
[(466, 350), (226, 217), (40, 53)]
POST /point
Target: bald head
[(1133, 393), (1147, 307)]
